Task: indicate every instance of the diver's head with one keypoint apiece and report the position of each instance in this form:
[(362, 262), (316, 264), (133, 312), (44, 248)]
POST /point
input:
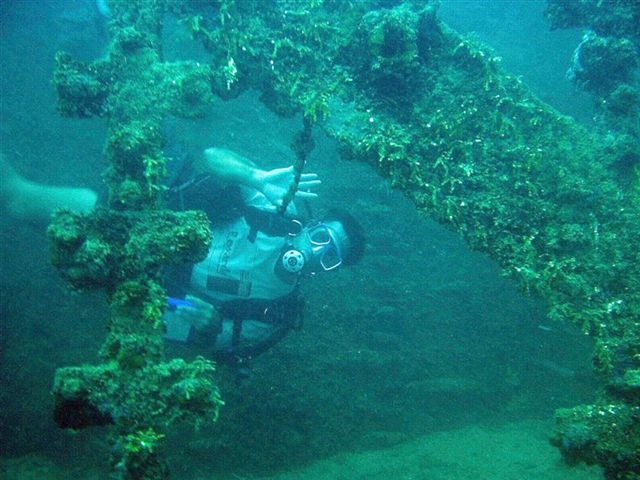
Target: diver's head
[(326, 245)]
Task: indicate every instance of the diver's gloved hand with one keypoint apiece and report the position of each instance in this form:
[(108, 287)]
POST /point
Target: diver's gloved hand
[(276, 184), (190, 317)]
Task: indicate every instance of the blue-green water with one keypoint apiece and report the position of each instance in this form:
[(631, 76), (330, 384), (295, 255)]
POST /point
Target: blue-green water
[(419, 354)]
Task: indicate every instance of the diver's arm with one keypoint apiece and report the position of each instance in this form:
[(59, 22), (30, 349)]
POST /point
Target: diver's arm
[(230, 167)]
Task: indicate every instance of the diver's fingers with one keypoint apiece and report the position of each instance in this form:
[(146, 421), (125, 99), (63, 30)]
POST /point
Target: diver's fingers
[(306, 185), (306, 195), (306, 177)]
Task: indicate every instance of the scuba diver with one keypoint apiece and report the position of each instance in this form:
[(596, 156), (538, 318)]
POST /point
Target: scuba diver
[(244, 297)]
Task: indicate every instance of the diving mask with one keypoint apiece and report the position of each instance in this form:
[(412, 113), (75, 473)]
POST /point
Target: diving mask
[(319, 247)]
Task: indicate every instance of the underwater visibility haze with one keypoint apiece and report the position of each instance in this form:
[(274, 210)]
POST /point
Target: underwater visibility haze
[(474, 315)]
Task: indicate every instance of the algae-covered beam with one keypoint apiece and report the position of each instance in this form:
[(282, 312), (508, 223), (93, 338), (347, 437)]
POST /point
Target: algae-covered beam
[(123, 246), (472, 147)]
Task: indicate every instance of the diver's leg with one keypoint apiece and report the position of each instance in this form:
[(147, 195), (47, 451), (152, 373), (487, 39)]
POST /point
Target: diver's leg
[(32, 201)]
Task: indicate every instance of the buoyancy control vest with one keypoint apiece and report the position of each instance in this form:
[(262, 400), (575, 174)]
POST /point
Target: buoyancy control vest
[(241, 260)]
